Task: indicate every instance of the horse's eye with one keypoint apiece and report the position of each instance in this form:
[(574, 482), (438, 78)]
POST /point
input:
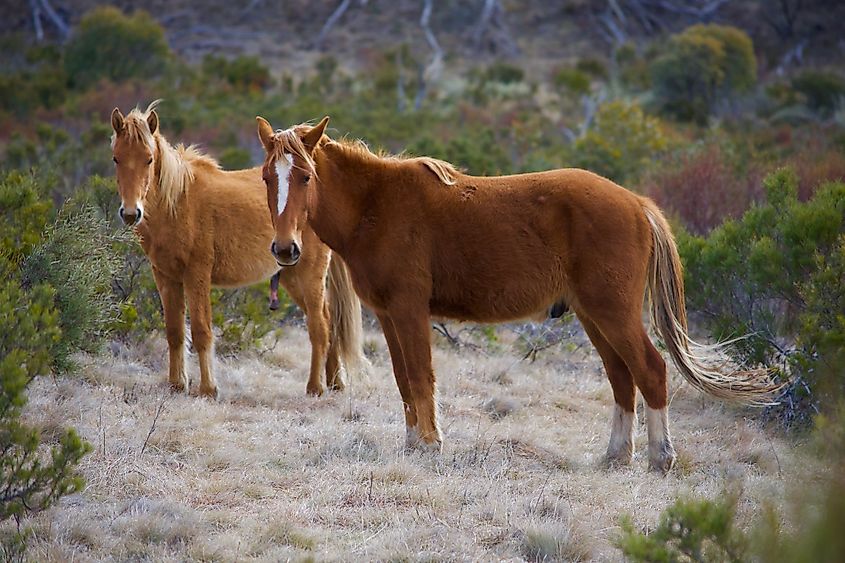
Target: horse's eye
[(150, 161), (114, 158), (306, 178)]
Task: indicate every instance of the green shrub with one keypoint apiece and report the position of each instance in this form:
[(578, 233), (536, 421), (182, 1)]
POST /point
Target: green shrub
[(700, 66), (573, 80), (621, 143), (77, 258), (29, 334), (245, 73), (823, 91), (808, 531), (503, 72), (775, 275), (242, 317), (109, 44), (235, 158), (592, 67), (23, 214), (689, 530)]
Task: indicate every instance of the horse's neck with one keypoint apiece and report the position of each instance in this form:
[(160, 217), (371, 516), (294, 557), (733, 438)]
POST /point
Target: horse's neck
[(335, 210)]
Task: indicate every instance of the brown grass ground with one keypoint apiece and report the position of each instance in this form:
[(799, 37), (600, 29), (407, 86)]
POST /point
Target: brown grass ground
[(269, 474)]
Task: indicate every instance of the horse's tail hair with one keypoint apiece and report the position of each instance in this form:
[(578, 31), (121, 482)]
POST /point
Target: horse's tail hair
[(345, 314), (705, 367)]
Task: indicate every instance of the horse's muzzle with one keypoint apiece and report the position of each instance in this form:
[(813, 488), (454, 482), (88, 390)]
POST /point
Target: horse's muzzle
[(130, 219), (286, 255)]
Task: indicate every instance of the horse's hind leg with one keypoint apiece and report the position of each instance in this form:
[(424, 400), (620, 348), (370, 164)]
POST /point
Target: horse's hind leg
[(400, 373), (621, 446), (173, 303), (630, 340)]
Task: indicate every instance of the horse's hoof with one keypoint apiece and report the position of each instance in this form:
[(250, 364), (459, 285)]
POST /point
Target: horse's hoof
[(662, 458), (430, 443), (209, 392), (315, 390), (619, 459), (179, 386), (337, 385)]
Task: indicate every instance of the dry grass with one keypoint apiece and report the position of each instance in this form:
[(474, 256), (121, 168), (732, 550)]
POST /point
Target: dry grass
[(269, 474)]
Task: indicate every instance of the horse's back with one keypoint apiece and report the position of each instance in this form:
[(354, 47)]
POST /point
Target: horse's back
[(533, 237)]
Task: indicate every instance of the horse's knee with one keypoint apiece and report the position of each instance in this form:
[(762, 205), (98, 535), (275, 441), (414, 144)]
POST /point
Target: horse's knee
[(201, 337)]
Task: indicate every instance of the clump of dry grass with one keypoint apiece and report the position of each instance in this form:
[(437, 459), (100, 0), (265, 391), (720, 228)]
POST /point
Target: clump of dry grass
[(267, 473)]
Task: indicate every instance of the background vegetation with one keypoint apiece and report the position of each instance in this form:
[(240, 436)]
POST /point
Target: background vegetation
[(738, 138)]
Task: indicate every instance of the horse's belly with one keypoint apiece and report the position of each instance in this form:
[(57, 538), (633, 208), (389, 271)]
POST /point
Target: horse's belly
[(248, 273)]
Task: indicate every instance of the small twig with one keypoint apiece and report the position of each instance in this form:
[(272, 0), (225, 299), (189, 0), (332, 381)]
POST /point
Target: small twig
[(159, 410)]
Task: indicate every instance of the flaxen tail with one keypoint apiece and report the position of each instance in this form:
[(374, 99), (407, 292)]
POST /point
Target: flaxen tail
[(705, 367), (345, 314)]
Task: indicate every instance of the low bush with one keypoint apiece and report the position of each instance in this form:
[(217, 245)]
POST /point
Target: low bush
[(109, 44), (621, 143), (702, 188), (77, 258), (242, 317), (701, 66), (822, 91), (775, 275), (244, 73)]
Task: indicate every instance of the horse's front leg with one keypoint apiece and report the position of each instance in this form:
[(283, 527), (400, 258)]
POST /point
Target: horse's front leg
[(409, 407), (413, 330), (173, 303), (198, 289)]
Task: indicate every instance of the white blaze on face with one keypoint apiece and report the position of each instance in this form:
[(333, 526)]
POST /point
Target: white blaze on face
[(283, 173)]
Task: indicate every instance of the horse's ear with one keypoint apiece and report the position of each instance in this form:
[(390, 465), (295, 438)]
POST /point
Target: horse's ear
[(152, 121), (265, 133), (313, 136), (116, 120)]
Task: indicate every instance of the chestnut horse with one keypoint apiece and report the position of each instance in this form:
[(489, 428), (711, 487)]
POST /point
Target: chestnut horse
[(202, 226), (422, 239)]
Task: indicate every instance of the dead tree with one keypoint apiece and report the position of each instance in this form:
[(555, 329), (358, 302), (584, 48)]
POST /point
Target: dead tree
[(431, 72), (619, 18), (784, 18), (333, 19), (42, 8), (491, 23)]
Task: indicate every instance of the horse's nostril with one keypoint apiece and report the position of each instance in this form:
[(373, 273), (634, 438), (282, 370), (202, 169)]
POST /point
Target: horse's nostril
[(294, 251), (120, 213), (273, 248)]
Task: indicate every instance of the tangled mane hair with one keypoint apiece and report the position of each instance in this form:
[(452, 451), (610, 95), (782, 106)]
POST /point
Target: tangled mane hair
[(174, 165)]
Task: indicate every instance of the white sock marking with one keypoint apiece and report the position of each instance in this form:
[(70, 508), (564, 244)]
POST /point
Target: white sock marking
[(621, 431)]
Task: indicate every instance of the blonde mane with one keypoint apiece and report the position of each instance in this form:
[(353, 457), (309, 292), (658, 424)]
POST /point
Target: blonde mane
[(175, 165), (445, 171)]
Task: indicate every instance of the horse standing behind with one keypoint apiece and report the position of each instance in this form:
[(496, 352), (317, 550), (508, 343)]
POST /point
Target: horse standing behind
[(422, 239), (201, 226)]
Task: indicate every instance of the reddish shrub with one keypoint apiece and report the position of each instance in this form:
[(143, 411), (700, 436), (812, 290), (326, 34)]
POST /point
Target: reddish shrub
[(703, 189), (814, 167)]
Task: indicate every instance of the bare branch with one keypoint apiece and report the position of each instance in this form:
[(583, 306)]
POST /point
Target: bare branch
[(57, 21), (159, 410), (432, 71), (492, 22), (333, 19), (35, 6)]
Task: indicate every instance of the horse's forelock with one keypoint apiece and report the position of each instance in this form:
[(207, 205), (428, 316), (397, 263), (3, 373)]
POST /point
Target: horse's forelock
[(289, 142)]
